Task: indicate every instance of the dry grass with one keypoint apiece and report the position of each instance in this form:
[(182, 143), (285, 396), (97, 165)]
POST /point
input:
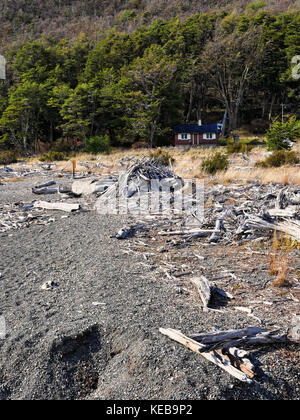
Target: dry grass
[(187, 164), (286, 175), (14, 179), (280, 259)]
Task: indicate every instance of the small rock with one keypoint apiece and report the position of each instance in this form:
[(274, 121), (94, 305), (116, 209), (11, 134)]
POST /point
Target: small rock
[(49, 285)]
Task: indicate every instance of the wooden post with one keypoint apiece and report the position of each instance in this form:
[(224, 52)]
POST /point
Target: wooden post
[(74, 168)]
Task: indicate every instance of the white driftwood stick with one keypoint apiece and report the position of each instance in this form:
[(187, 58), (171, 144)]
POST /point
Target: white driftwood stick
[(211, 356), (287, 212), (56, 206), (187, 232), (219, 225)]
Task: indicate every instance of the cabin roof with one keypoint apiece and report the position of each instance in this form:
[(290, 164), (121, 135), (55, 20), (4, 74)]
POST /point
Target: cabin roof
[(198, 129)]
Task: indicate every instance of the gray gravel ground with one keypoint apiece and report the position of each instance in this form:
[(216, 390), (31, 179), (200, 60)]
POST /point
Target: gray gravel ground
[(95, 335)]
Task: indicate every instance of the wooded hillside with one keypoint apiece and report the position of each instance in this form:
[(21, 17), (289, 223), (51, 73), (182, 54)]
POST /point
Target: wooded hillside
[(134, 85)]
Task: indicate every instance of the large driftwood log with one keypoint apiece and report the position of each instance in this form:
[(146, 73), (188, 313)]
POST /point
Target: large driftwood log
[(291, 227), (56, 206), (217, 358)]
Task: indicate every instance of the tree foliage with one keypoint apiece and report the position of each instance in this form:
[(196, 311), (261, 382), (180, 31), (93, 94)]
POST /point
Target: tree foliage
[(134, 85)]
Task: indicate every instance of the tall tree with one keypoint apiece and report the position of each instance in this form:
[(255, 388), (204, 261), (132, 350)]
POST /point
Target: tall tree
[(229, 62)]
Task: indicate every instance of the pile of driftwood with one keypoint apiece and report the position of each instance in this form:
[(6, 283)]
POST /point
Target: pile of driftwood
[(223, 347), (22, 215), (243, 213), (144, 177), (19, 216)]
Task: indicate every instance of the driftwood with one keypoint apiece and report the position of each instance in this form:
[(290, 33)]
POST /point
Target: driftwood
[(44, 191), (217, 358), (46, 184), (236, 338), (291, 227), (219, 226), (193, 232), (287, 212), (56, 206), (204, 290)]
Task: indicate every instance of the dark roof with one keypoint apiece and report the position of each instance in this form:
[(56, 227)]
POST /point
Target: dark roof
[(195, 128)]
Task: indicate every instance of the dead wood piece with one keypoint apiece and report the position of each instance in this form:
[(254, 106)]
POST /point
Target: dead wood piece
[(194, 232), (46, 184), (44, 191), (287, 212), (236, 338), (203, 287), (56, 206), (291, 227), (219, 226), (219, 336), (217, 358), (281, 200)]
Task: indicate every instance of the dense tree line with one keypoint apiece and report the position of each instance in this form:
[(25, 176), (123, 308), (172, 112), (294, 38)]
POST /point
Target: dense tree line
[(136, 86)]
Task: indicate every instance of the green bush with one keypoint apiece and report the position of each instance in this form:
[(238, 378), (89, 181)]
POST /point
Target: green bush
[(53, 156), (215, 163), (7, 157), (98, 144), (161, 156), (222, 142), (279, 158), (280, 135)]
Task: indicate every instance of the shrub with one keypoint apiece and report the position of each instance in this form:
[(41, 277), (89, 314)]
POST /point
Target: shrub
[(53, 156), (238, 148), (280, 135), (279, 158), (62, 146), (222, 142), (161, 156), (98, 144), (7, 157), (215, 163), (140, 145)]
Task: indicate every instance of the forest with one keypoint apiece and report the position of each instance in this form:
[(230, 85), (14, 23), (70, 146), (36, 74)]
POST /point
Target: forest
[(135, 85)]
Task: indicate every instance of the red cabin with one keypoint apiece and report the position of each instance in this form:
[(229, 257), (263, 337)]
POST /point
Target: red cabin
[(197, 134)]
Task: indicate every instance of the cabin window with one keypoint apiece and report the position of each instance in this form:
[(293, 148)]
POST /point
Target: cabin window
[(209, 136), (184, 136)]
